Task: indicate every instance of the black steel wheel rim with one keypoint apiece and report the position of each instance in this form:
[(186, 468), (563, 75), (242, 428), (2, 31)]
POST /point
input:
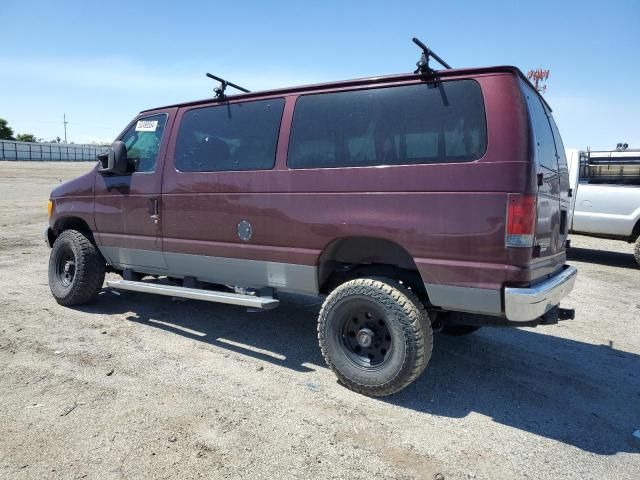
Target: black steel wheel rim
[(365, 336), (65, 267)]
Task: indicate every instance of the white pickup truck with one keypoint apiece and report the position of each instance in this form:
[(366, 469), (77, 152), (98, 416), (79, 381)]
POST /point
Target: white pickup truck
[(606, 194)]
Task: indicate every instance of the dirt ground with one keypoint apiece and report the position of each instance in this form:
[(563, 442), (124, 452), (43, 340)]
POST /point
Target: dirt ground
[(139, 386)]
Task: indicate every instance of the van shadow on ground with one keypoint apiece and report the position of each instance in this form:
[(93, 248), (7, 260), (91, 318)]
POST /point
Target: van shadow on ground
[(577, 393), (603, 257)]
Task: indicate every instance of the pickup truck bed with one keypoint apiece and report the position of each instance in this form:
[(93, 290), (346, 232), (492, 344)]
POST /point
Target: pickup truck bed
[(606, 198)]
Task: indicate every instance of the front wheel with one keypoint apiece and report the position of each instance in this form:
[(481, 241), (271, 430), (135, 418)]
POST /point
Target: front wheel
[(76, 269), (636, 251), (375, 335)]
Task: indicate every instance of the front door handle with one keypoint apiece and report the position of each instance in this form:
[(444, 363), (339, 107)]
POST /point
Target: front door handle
[(153, 209)]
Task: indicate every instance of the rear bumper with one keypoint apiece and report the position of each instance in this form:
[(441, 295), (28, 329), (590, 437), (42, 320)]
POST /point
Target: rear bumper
[(528, 304)]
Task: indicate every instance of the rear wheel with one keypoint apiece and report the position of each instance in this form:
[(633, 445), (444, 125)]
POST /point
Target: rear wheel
[(76, 269), (636, 251), (375, 335)]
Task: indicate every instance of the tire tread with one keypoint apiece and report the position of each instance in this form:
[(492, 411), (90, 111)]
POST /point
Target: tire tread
[(399, 300), (90, 270)]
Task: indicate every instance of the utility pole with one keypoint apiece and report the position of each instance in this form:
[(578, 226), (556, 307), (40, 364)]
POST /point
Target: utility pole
[(538, 76), (64, 121)]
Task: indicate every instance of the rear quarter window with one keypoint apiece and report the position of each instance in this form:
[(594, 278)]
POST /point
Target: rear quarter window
[(413, 124)]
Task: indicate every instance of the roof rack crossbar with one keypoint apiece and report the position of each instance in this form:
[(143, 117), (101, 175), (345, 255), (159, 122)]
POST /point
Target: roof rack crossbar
[(223, 86), (423, 63)]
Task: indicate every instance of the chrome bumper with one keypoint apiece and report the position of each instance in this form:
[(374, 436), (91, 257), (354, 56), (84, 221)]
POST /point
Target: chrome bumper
[(527, 304)]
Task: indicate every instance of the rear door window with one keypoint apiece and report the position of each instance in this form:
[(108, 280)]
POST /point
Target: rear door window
[(546, 151), (562, 156), (229, 137), (410, 124)]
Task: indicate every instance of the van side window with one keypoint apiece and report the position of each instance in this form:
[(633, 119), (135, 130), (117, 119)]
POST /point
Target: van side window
[(542, 130), (237, 136), (389, 126), (143, 142)]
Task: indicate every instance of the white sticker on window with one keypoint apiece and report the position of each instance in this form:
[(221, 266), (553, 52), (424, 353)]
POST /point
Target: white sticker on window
[(146, 125)]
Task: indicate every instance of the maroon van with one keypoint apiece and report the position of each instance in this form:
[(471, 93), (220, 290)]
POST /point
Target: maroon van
[(411, 203)]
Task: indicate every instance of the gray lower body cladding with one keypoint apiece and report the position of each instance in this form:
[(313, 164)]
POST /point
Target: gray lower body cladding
[(522, 305), (465, 299), (285, 277)]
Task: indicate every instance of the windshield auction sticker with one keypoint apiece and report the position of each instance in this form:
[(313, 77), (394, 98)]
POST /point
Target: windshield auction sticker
[(146, 125)]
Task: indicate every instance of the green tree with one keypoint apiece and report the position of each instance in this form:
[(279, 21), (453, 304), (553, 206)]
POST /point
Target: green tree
[(6, 132), (26, 137)]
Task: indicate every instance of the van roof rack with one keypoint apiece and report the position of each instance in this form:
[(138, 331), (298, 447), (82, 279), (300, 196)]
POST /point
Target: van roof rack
[(223, 86), (423, 63)]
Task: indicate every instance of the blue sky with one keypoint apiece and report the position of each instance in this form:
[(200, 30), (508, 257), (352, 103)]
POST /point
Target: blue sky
[(102, 62)]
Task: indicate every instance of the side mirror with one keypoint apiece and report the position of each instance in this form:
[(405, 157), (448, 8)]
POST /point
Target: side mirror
[(114, 161)]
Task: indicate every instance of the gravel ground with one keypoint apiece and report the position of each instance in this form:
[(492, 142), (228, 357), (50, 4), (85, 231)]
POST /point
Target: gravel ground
[(138, 386)]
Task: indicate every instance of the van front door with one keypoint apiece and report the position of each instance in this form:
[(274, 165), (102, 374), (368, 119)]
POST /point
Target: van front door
[(127, 207)]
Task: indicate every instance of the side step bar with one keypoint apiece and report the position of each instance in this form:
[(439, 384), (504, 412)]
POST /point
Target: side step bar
[(265, 303)]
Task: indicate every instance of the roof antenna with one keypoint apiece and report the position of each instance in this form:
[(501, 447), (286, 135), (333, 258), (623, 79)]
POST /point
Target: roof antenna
[(423, 63), (223, 86)]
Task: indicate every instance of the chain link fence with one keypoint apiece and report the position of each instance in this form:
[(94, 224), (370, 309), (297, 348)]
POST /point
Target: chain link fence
[(48, 152)]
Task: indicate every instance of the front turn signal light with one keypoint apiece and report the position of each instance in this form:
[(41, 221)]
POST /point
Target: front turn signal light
[(49, 208)]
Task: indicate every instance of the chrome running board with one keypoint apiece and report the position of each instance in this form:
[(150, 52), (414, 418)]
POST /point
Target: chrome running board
[(265, 303)]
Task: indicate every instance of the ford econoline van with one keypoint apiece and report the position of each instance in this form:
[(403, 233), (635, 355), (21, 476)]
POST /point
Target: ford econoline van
[(409, 203)]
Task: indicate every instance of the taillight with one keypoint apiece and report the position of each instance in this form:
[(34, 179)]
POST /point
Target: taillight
[(521, 220)]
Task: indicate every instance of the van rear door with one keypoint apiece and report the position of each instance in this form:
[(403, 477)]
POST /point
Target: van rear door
[(573, 159), (553, 182), (567, 190)]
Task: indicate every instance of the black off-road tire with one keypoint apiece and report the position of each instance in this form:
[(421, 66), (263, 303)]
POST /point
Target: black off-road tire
[(636, 251), (407, 328), (82, 280), (458, 330)]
